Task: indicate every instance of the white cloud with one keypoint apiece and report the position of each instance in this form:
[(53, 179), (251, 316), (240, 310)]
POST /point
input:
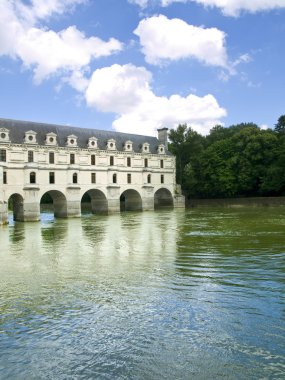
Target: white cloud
[(228, 7), (77, 80), (67, 50), (264, 127), (165, 40), (118, 88), (234, 7), (45, 51), (43, 9), (141, 3), (126, 91), (244, 58)]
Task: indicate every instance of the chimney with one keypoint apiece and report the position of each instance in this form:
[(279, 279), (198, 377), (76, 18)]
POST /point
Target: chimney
[(162, 137)]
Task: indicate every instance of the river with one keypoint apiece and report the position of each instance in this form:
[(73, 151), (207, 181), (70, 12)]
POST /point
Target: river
[(176, 295)]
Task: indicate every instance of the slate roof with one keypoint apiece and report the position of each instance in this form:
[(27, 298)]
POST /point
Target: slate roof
[(18, 128)]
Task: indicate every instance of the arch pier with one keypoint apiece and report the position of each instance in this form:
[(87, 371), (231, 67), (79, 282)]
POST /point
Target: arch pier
[(28, 205)]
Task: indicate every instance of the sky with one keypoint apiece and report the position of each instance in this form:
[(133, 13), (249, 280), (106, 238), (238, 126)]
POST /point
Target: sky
[(138, 65)]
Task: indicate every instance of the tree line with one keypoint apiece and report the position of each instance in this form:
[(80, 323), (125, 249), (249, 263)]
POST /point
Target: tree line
[(237, 161)]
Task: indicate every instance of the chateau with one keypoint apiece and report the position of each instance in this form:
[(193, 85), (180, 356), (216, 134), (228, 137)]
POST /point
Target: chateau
[(114, 171)]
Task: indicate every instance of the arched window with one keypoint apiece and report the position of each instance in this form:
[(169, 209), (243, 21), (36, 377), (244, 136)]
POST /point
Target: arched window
[(51, 157), (51, 177), (2, 155), (148, 178), (4, 178), (72, 158), (114, 178), (32, 177), (74, 178), (30, 156)]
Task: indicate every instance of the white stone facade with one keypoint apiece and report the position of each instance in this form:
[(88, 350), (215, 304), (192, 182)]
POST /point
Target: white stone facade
[(126, 175)]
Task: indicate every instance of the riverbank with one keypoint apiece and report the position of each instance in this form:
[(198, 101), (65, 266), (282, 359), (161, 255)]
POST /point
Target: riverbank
[(237, 202)]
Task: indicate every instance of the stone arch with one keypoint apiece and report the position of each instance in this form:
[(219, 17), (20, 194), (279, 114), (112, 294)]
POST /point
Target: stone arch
[(16, 204), (163, 198), (58, 200), (94, 200), (130, 200)]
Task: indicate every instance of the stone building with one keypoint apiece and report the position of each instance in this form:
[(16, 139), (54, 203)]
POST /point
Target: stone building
[(110, 170)]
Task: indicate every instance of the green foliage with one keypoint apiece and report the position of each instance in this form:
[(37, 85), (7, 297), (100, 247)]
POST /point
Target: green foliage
[(186, 145), (238, 161), (280, 126)]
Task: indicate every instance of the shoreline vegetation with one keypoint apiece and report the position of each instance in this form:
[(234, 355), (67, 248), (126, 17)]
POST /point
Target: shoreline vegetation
[(237, 162)]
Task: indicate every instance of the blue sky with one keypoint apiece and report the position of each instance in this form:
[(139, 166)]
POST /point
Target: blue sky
[(138, 65)]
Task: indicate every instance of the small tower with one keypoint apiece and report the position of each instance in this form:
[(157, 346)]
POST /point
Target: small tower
[(162, 137)]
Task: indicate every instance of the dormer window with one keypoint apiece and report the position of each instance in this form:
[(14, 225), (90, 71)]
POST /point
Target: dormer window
[(128, 147), (51, 139), (71, 140), (4, 135), (92, 143), (145, 148), (31, 137), (111, 144), (161, 149)]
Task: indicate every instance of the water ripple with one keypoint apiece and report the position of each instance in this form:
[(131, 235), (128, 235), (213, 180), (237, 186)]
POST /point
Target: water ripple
[(162, 295)]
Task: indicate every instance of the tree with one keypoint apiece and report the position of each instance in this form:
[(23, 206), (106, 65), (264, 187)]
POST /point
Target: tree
[(177, 138), (280, 126), (241, 160), (186, 144)]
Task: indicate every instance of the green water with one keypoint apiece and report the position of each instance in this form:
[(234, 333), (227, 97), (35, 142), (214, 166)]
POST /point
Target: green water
[(155, 295)]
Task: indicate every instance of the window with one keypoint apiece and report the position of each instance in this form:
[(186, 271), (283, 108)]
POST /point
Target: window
[(162, 178), (114, 178), (50, 138), (74, 178), (32, 177), (111, 160), (51, 157), (2, 155), (30, 156), (161, 164), (93, 159), (145, 162), (129, 161), (129, 178), (4, 178), (93, 177), (72, 158), (148, 178), (51, 177)]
